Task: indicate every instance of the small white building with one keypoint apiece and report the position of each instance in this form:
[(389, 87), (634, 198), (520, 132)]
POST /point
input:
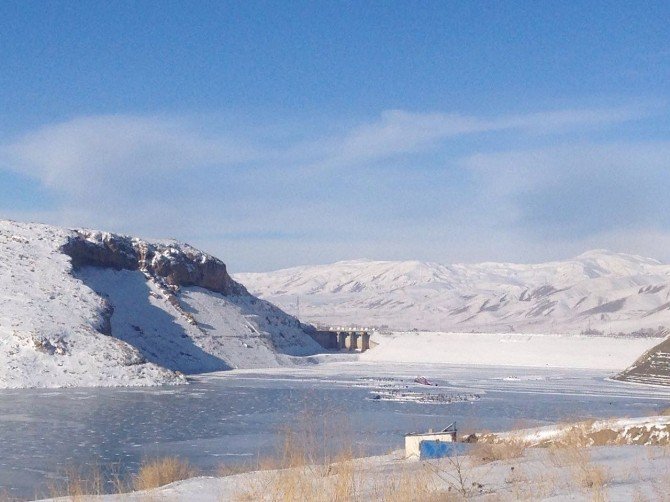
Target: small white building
[(413, 441)]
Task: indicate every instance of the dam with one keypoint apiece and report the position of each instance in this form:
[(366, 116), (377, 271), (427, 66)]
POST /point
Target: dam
[(350, 339)]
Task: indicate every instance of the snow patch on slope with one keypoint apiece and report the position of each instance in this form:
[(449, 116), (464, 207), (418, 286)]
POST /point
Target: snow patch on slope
[(141, 317), (51, 323)]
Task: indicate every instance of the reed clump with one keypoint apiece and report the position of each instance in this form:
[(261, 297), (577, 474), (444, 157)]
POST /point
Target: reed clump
[(302, 469), (77, 484), (501, 449), (162, 471)]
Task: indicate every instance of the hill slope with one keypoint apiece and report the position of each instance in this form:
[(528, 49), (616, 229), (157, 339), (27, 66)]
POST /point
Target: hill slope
[(80, 307), (599, 290)]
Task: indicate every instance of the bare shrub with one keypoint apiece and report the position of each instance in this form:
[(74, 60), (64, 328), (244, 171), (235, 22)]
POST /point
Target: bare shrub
[(404, 486), (303, 469), (162, 471), (587, 475), (502, 449), (225, 470), (530, 486), (457, 472), (78, 483)]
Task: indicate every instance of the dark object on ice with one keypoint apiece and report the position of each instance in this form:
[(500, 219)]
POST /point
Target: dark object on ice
[(424, 381), (376, 397)]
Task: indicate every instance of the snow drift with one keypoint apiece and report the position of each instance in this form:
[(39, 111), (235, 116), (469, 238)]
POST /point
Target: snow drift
[(505, 349), (86, 308)]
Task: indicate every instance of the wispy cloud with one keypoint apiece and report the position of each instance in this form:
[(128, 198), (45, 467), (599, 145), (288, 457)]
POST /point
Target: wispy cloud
[(165, 176), (400, 132), (575, 190), (86, 154)]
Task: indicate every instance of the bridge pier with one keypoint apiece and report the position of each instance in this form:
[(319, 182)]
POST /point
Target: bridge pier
[(365, 341), (353, 341), (341, 340)]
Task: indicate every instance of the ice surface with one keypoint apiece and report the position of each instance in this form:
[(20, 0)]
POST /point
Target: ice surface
[(232, 417)]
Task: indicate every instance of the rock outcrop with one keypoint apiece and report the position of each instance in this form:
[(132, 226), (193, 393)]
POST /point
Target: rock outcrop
[(172, 263)]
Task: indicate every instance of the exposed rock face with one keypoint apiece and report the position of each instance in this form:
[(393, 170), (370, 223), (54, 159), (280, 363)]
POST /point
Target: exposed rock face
[(175, 265), (653, 367)]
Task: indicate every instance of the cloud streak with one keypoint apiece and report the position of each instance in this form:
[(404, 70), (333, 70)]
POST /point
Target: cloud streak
[(336, 196), (82, 154)]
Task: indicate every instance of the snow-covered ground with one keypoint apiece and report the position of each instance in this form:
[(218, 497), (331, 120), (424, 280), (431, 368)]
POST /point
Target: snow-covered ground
[(646, 431), (614, 473), (128, 322), (504, 349), (598, 290)]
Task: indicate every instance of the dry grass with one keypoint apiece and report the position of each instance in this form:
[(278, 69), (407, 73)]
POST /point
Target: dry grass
[(293, 476), (502, 449), (577, 436), (162, 471), (585, 474), (457, 473), (405, 486), (531, 482), (78, 484), (301, 470), (343, 482), (225, 470), (5, 496)]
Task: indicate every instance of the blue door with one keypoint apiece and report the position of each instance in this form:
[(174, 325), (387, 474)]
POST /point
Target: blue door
[(434, 448)]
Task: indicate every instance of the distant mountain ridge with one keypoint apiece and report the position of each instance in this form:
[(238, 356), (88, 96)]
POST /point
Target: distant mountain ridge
[(596, 291)]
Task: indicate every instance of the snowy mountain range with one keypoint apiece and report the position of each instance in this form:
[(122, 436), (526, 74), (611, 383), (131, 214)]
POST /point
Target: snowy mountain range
[(598, 291), (87, 308)]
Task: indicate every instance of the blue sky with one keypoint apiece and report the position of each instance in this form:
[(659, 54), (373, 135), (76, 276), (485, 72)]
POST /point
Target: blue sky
[(275, 134)]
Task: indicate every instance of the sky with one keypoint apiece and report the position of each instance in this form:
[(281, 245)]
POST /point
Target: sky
[(276, 134)]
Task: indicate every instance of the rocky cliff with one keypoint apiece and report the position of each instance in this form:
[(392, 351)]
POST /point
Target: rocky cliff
[(172, 263)]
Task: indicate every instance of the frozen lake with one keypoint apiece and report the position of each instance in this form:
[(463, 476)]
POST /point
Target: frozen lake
[(235, 416)]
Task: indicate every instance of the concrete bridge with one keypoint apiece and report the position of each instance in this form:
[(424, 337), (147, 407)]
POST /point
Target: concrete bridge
[(351, 339)]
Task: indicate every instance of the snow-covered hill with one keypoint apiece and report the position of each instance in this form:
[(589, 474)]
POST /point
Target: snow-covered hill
[(598, 290), (85, 308)]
